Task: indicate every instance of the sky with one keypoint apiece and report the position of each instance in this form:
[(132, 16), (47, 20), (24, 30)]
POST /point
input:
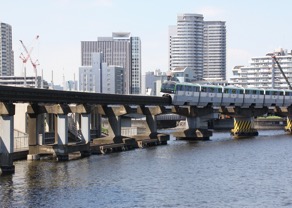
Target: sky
[(254, 28)]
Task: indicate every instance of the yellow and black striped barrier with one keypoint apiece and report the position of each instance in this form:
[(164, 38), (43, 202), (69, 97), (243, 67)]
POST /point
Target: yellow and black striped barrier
[(244, 127), (288, 127)]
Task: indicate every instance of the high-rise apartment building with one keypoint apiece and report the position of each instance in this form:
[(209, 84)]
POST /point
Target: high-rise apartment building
[(199, 45), (6, 52), (119, 50), (263, 72), (186, 43), (214, 51)]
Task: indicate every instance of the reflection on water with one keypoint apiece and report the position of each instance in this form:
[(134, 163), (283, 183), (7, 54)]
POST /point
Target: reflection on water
[(222, 172)]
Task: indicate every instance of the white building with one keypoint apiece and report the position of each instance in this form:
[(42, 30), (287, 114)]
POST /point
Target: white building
[(6, 52), (101, 78), (199, 45), (90, 76), (112, 79), (186, 43), (20, 81), (263, 72), (181, 74), (151, 82)]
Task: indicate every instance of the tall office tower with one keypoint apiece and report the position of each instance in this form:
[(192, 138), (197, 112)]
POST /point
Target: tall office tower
[(119, 50), (136, 66), (214, 51), (186, 41), (6, 52)]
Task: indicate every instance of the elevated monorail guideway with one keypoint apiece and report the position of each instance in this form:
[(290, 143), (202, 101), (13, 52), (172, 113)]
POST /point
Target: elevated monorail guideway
[(32, 95), (243, 104)]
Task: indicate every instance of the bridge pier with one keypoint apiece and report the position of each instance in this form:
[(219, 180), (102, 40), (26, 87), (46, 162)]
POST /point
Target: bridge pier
[(288, 127), (114, 114), (151, 113), (35, 120), (244, 127), (196, 122), (7, 111), (285, 112), (243, 119), (85, 114)]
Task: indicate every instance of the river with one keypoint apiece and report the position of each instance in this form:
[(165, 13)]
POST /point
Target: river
[(222, 172)]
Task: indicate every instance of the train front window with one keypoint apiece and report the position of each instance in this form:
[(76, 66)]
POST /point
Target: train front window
[(168, 87)]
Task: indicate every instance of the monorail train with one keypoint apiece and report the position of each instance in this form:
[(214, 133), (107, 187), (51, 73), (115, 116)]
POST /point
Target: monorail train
[(213, 95)]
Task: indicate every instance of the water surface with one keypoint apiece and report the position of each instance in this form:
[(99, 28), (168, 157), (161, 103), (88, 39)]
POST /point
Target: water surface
[(222, 172)]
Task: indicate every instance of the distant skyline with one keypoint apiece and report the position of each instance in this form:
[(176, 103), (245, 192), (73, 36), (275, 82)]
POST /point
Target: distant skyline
[(253, 29)]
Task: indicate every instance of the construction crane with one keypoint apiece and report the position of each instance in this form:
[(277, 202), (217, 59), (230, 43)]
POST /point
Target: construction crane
[(25, 58), (279, 66)]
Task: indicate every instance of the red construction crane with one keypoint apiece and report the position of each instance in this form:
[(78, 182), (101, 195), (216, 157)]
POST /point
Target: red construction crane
[(25, 59)]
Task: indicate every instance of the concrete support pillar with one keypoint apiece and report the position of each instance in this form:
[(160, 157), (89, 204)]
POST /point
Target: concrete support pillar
[(61, 131), (285, 112), (196, 122), (288, 127), (85, 127), (84, 123), (7, 111), (114, 114), (244, 127), (151, 113), (193, 122), (35, 127), (243, 119), (96, 122), (60, 112)]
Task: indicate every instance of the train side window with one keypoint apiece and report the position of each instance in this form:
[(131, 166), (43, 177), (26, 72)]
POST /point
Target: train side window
[(225, 90), (220, 90), (281, 93), (194, 89), (211, 89), (233, 91), (261, 92), (240, 91), (204, 89)]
